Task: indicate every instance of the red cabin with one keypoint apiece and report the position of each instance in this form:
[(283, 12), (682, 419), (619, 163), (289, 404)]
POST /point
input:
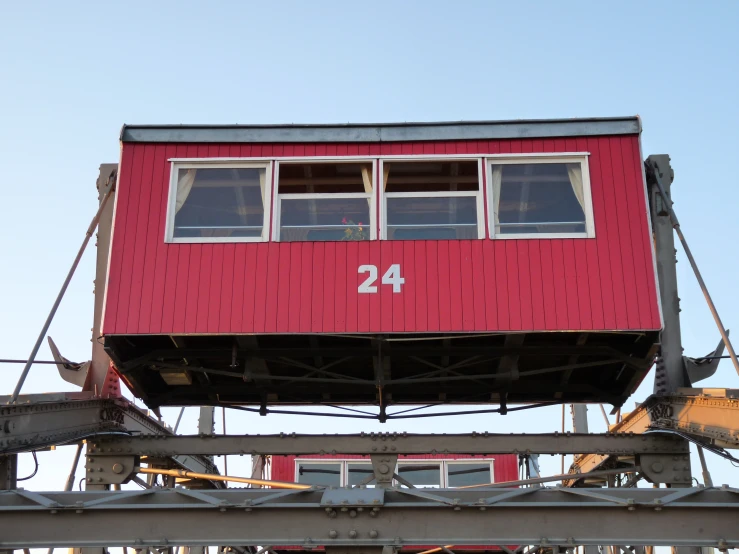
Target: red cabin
[(469, 262), (422, 471)]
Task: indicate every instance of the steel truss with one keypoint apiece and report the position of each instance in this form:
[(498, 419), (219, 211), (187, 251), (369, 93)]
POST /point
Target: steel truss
[(707, 416), (44, 420), (372, 517), (392, 443)]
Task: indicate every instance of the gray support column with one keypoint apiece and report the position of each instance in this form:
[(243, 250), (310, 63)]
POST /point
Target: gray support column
[(8, 478), (580, 418), (580, 425), (100, 379), (8, 472), (670, 373), (206, 421)]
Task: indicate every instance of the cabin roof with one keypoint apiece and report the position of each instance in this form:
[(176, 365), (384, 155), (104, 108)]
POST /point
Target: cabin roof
[(383, 132)]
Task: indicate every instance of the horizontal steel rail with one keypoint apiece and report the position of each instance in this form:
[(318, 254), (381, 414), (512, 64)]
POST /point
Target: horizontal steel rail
[(394, 443), (371, 517)]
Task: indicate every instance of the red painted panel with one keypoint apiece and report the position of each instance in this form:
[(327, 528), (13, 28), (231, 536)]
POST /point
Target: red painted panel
[(419, 284), (466, 285), (317, 288), (409, 273), (468, 293), (306, 286)]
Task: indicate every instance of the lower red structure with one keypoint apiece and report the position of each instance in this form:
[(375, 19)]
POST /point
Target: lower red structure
[(431, 470)]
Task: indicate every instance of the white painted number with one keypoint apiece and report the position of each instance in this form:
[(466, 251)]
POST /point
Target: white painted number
[(367, 287), (391, 277)]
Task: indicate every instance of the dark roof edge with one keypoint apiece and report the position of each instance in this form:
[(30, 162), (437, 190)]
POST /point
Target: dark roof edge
[(384, 132)]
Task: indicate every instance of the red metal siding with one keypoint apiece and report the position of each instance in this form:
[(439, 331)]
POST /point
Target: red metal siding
[(605, 283)]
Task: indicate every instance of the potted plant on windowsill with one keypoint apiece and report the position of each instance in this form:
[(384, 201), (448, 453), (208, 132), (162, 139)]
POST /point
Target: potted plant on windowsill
[(354, 231)]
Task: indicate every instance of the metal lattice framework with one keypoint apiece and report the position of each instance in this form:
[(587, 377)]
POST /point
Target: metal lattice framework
[(372, 517)]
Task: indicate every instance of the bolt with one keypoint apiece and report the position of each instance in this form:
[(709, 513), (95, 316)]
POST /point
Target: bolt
[(384, 469), (657, 467), (117, 468), (353, 534), (352, 513), (373, 534), (333, 533)]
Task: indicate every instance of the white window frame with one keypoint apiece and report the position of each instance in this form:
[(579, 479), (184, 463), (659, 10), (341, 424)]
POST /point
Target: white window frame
[(478, 194), (443, 463), (469, 461), (569, 158), (372, 197), (322, 461), (176, 166)]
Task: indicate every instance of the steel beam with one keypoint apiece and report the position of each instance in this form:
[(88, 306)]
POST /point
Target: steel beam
[(39, 421), (391, 443), (371, 517), (708, 415)]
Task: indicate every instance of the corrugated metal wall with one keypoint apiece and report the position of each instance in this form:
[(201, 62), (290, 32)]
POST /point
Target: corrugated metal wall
[(605, 283)]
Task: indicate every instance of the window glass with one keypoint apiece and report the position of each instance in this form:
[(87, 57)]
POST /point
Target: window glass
[(538, 198), (327, 201), (318, 219), (422, 474), (460, 474), (326, 474), (431, 199), (219, 202), (358, 472), (432, 175), (419, 218)]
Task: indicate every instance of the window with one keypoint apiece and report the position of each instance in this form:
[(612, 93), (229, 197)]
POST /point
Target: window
[(217, 202), (421, 473), (327, 201), (543, 197), (319, 473), (357, 473), (461, 474), (432, 200)]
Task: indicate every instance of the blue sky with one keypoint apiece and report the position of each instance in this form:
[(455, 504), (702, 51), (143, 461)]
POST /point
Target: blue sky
[(72, 73)]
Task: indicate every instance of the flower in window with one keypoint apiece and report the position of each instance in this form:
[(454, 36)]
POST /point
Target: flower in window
[(353, 230)]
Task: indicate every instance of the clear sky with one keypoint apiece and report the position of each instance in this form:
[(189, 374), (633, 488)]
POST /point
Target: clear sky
[(71, 73)]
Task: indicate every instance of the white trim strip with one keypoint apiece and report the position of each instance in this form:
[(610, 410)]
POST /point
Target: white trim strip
[(395, 157)]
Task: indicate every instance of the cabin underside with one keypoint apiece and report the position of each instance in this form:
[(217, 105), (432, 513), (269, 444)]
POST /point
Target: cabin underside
[(382, 370)]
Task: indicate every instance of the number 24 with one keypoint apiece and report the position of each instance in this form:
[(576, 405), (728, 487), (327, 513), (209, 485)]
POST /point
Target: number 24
[(391, 277)]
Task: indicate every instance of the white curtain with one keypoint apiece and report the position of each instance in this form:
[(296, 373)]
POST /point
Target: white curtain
[(184, 186), (575, 173), (496, 179)]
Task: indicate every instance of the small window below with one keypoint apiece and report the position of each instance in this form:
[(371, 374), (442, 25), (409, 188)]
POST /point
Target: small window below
[(217, 204), (319, 473), (328, 201), (421, 474), (462, 474), (544, 198), (359, 473), (432, 200)]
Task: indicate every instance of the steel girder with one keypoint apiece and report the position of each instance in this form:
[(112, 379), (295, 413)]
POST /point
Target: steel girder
[(43, 420), (708, 415), (392, 443), (371, 517)]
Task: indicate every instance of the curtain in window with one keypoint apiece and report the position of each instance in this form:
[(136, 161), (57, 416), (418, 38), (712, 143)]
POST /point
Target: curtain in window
[(496, 179), (184, 186), (575, 173)]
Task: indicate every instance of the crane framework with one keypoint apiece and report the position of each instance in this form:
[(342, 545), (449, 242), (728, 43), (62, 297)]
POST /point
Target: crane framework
[(591, 507)]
